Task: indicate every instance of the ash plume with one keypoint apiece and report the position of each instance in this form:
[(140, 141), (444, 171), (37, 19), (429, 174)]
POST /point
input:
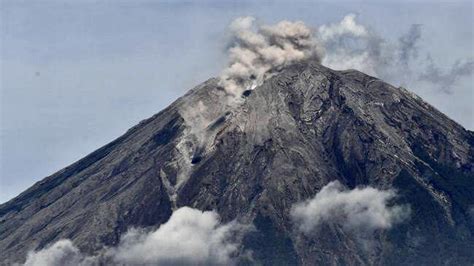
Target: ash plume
[(257, 50)]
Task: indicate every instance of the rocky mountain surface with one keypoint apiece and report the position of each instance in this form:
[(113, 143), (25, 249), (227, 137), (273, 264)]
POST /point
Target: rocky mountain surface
[(286, 139)]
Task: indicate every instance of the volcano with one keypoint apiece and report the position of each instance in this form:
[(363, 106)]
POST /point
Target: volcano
[(285, 140)]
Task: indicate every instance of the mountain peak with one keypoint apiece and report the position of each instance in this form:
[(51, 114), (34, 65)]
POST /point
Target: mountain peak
[(254, 156)]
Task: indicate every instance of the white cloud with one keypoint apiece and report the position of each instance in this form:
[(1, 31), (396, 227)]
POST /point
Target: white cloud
[(350, 45), (61, 253), (361, 208), (347, 26), (190, 237), (343, 60)]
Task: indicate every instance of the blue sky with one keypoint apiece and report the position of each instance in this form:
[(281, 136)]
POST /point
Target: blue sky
[(77, 74)]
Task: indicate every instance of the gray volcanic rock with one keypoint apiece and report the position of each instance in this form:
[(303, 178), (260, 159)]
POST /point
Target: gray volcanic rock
[(286, 139)]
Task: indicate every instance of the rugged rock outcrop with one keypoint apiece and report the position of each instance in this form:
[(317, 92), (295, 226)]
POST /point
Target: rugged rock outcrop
[(285, 140)]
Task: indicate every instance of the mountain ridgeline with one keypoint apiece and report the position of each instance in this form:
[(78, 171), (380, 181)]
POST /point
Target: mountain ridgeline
[(302, 128)]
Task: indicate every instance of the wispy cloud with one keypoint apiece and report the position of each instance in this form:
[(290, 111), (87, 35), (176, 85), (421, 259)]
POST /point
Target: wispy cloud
[(447, 79), (351, 45)]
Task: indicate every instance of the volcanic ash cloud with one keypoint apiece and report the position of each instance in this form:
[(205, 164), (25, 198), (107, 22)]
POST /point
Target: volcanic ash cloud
[(257, 50)]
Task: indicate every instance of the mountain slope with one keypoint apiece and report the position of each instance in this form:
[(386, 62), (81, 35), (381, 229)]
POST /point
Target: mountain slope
[(288, 138)]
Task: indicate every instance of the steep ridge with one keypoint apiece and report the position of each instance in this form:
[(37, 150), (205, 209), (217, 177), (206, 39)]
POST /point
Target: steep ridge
[(279, 145)]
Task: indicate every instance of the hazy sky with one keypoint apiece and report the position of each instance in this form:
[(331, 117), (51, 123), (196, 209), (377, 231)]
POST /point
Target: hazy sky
[(77, 74)]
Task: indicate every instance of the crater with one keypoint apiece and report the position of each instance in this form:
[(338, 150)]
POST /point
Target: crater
[(196, 159), (246, 93)]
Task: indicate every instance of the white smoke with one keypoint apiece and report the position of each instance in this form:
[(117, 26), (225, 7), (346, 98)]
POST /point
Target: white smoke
[(347, 26), (351, 45), (445, 80), (257, 50), (361, 209), (197, 116), (190, 237)]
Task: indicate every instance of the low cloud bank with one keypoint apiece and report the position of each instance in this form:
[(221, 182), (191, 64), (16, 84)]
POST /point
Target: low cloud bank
[(360, 209), (190, 237)]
